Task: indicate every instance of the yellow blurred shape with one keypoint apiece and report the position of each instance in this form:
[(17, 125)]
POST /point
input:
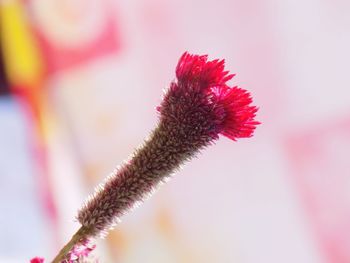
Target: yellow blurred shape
[(22, 59)]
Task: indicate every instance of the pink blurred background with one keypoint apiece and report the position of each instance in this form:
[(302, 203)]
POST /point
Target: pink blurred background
[(80, 81)]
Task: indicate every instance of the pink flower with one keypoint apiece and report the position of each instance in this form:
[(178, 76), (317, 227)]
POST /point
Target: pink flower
[(201, 90), (198, 107), (81, 252)]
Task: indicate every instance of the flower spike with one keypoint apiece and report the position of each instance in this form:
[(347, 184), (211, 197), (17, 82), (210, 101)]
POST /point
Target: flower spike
[(195, 110), (198, 106)]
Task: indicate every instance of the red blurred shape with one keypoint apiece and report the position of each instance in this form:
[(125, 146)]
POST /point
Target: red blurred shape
[(37, 260), (93, 21)]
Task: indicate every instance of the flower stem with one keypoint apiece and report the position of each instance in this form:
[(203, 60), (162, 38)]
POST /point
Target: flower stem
[(80, 235)]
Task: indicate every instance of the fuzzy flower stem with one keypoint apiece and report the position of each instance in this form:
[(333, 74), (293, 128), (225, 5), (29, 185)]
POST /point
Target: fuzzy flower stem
[(166, 149)]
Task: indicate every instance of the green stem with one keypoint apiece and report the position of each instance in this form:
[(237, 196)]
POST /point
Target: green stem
[(75, 240)]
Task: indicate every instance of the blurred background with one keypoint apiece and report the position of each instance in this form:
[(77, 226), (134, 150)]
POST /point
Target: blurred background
[(79, 83)]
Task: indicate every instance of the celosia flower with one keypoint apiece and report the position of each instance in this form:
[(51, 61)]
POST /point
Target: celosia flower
[(198, 106)]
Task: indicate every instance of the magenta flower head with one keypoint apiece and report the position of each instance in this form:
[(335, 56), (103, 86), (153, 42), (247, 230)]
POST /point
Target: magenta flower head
[(196, 109)]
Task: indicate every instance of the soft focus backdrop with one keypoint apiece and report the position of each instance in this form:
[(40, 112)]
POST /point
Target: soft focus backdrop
[(80, 81)]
